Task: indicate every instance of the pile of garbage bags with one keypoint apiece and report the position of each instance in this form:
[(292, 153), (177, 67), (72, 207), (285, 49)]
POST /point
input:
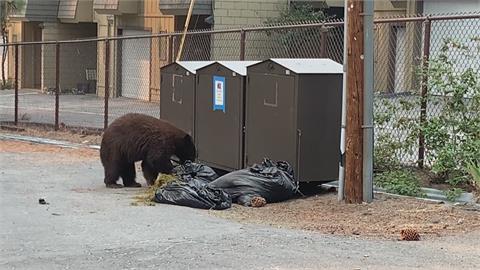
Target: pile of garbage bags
[(198, 186)]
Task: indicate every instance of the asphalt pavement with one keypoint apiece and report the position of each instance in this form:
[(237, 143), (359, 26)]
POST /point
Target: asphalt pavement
[(86, 226)]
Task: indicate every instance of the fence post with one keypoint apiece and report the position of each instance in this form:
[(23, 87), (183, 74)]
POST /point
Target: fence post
[(323, 41), (423, 105), (107, 82), (171, 50), (57, 84), (16, 84), (242, 45)]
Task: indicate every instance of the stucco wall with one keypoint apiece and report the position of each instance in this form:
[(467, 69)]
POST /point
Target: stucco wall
[(74, 58)]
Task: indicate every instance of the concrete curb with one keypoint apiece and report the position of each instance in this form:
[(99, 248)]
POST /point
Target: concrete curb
[(38, 140)]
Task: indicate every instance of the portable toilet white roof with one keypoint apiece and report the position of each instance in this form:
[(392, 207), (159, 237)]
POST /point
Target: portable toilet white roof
[(192, 66), (310, 65)]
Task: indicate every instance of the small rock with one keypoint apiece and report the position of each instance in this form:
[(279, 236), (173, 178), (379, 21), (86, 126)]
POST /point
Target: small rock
[(460, 221), (435, 221), (356, 233), (366, 256), (42, 201)]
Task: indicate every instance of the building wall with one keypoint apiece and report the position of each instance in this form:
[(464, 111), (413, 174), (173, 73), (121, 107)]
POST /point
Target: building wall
[(235, 14), (232, 13), (259, 45), (397, 47), (397, 58), (74, 58), (14, 35), (28, 56), (149, 18), (155, 23), (31, 55), (461, 31), (104, 29), (74, 11)]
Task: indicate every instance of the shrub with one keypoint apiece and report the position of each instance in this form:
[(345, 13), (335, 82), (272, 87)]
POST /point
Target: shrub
[(400, 181)]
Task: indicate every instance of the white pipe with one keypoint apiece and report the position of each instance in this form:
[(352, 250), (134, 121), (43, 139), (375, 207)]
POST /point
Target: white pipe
[(341, 169)]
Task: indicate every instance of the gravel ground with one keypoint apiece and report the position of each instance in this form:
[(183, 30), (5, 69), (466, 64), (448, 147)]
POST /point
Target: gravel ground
[(86, 226)]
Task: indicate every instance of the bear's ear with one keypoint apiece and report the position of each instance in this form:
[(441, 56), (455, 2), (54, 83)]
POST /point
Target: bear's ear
[(188, 138), (185, 149)]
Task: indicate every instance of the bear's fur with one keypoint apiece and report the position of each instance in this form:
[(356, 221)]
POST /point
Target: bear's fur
[(137, 137)]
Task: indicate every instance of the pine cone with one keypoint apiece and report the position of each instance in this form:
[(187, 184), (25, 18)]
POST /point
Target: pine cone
[(409, 235), (258, 202)]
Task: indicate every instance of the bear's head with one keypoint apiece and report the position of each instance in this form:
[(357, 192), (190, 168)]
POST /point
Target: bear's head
[(185, 149)]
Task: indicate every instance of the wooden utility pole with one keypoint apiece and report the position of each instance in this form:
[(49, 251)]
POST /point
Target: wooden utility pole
[(355, 102)]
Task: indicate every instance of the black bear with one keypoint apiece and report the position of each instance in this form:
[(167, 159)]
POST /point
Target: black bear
[(134, 137)]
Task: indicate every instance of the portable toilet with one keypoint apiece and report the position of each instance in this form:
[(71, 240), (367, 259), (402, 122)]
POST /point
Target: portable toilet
[(293, 113), (220, 114)]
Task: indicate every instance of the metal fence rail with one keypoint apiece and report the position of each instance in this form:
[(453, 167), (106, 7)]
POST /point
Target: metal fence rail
[(90, 82)]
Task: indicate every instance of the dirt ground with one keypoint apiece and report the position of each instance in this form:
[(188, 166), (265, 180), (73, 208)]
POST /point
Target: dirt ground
[(384, 218)]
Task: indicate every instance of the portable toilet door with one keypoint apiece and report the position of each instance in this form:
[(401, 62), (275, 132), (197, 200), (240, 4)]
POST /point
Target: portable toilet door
[(177, 93), (219, 111)]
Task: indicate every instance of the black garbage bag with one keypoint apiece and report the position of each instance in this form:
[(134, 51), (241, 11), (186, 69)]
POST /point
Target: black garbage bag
[(193, 195), (192, 190), (272, 181), (190, 170)]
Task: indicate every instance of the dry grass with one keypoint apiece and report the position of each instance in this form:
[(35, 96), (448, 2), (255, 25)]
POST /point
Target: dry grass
[(148, 195)]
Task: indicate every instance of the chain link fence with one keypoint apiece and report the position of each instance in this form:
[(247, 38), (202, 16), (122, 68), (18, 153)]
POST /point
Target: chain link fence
[(89, 83), (403, 103)]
